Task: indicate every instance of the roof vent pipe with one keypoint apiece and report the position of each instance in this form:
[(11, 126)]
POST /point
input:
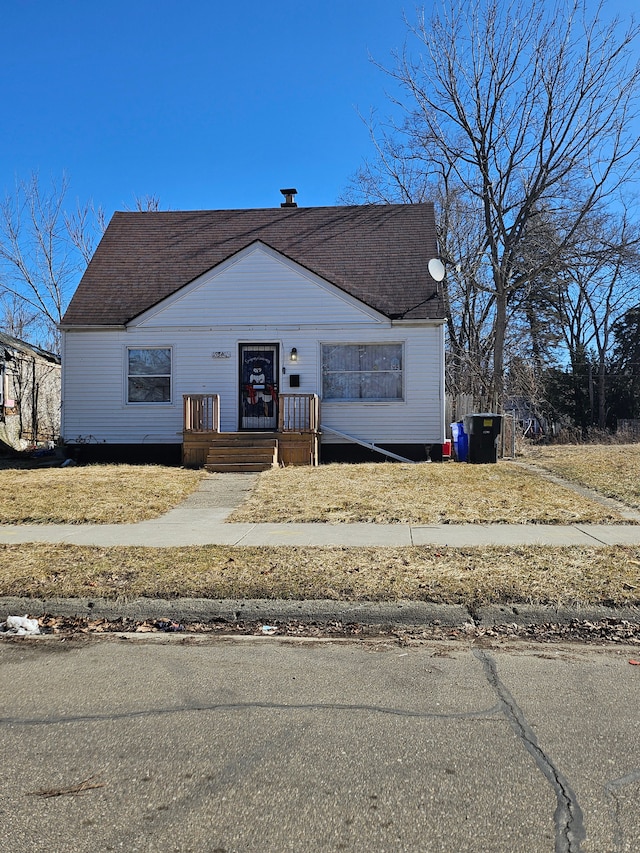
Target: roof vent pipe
[(288, 198)]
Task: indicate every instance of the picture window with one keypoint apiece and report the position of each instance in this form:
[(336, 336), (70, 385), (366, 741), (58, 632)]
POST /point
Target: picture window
[(362, 372)]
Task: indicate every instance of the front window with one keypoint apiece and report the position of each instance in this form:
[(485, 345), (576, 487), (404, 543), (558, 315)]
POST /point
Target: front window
[(362, 371), (149, 375)]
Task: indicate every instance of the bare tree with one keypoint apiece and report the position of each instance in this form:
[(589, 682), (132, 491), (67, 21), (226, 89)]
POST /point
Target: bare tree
[(595, 291), (37, 262), (17, 319), (85, 225), (146, 203), (626, 364), (510, 108), (43, 250)]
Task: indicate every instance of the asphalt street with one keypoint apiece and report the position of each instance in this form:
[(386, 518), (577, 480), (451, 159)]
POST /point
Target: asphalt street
[(266, 744), (262, 745)]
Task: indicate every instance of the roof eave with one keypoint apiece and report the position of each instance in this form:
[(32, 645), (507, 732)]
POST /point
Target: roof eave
[(423, 321), (91, 327)]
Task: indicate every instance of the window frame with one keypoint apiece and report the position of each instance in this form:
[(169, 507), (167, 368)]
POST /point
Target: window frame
[(360, 344), (129, 376)]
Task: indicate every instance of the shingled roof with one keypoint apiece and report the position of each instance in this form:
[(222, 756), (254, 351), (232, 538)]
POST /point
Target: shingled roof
[(377, 253)]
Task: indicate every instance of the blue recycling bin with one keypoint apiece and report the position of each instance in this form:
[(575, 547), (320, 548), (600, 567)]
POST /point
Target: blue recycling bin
[(460, 441)]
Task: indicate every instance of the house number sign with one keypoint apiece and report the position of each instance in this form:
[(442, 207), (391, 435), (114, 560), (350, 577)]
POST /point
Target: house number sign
[(220, 354)]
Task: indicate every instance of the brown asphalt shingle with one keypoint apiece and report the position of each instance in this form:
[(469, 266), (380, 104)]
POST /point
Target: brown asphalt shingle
[(377, 253)]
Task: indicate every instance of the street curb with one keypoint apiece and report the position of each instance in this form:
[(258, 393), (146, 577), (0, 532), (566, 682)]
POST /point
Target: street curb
[(402, 613), (529, 614)]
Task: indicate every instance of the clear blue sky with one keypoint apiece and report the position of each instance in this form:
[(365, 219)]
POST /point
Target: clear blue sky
[(204, 104)]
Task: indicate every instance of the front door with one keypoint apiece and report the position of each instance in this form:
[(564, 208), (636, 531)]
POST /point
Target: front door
[(259, 386)]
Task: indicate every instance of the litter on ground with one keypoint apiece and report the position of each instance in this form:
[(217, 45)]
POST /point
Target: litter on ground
[(20, 626)]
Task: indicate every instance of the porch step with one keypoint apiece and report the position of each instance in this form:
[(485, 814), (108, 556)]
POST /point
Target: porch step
[(238, 452), (244, 437), (236, 467)]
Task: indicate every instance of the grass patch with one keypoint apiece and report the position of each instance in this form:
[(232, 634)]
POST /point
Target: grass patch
[(423, 493), (470, 576), (376, 492), (98, 494), (612, 469)]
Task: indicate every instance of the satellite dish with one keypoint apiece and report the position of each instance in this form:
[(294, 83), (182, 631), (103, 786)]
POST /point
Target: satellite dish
[(436, 269)]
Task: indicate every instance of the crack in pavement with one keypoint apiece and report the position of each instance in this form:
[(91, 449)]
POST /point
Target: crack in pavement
[(487, 713), (628, 779), (611, 788), (590, 534), (568, 816)]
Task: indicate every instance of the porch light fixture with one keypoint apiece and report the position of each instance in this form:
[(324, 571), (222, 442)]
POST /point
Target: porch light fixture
[(293, 355)]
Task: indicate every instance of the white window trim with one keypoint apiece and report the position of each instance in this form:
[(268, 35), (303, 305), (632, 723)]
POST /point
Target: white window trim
[(154, 403), (375, 401)]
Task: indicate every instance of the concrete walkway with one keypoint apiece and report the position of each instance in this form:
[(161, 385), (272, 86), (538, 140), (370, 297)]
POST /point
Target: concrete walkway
[(201, 520)]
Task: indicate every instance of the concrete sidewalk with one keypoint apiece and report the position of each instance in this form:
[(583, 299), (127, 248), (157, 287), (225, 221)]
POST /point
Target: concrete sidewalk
[(201, 520)]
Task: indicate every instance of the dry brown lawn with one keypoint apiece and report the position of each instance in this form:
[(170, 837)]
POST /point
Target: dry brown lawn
[(418, 494), (470, 576), (424, 493), (378, 492), (99, 494), (613, 470)]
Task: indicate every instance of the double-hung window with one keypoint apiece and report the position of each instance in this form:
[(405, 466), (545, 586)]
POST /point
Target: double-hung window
[(149, 375), (362, 372)]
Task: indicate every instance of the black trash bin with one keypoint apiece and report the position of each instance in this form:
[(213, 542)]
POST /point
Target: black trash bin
[(483, 430)]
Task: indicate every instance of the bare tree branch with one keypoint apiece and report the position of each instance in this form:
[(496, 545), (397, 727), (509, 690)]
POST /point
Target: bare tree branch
[(509, 110)]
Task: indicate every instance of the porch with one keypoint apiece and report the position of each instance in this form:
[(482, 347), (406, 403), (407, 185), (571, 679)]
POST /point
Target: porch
[(294, 442)]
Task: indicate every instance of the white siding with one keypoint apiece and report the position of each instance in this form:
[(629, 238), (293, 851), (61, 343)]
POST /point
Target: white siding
[(417, 418), (265, 299), (258, 287)]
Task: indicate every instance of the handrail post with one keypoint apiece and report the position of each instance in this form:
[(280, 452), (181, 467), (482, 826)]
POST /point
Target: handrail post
[(201, 412), (298, 412)]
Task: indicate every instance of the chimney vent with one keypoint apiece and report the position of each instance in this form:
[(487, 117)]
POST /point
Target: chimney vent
[(288, 198)]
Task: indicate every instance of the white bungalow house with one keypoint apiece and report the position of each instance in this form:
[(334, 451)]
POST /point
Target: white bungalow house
[(317, 333)]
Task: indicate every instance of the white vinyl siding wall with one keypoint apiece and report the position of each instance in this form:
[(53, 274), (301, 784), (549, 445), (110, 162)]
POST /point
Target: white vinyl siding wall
[(414, 420), (257, 288), (261, 298)]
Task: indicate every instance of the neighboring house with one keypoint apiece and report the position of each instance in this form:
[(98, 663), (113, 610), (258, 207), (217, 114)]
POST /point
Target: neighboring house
[(29, 394), (284, 320), (531, 421)]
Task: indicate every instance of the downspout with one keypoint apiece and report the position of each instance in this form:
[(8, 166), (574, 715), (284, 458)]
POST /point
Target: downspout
[(34, 402), (443, 385), (63, 340), (20, 382), (3, 391)]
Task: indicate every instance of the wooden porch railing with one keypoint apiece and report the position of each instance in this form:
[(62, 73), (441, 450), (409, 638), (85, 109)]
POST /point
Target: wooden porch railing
[(298, 413), (296, 442), (201, 412)]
